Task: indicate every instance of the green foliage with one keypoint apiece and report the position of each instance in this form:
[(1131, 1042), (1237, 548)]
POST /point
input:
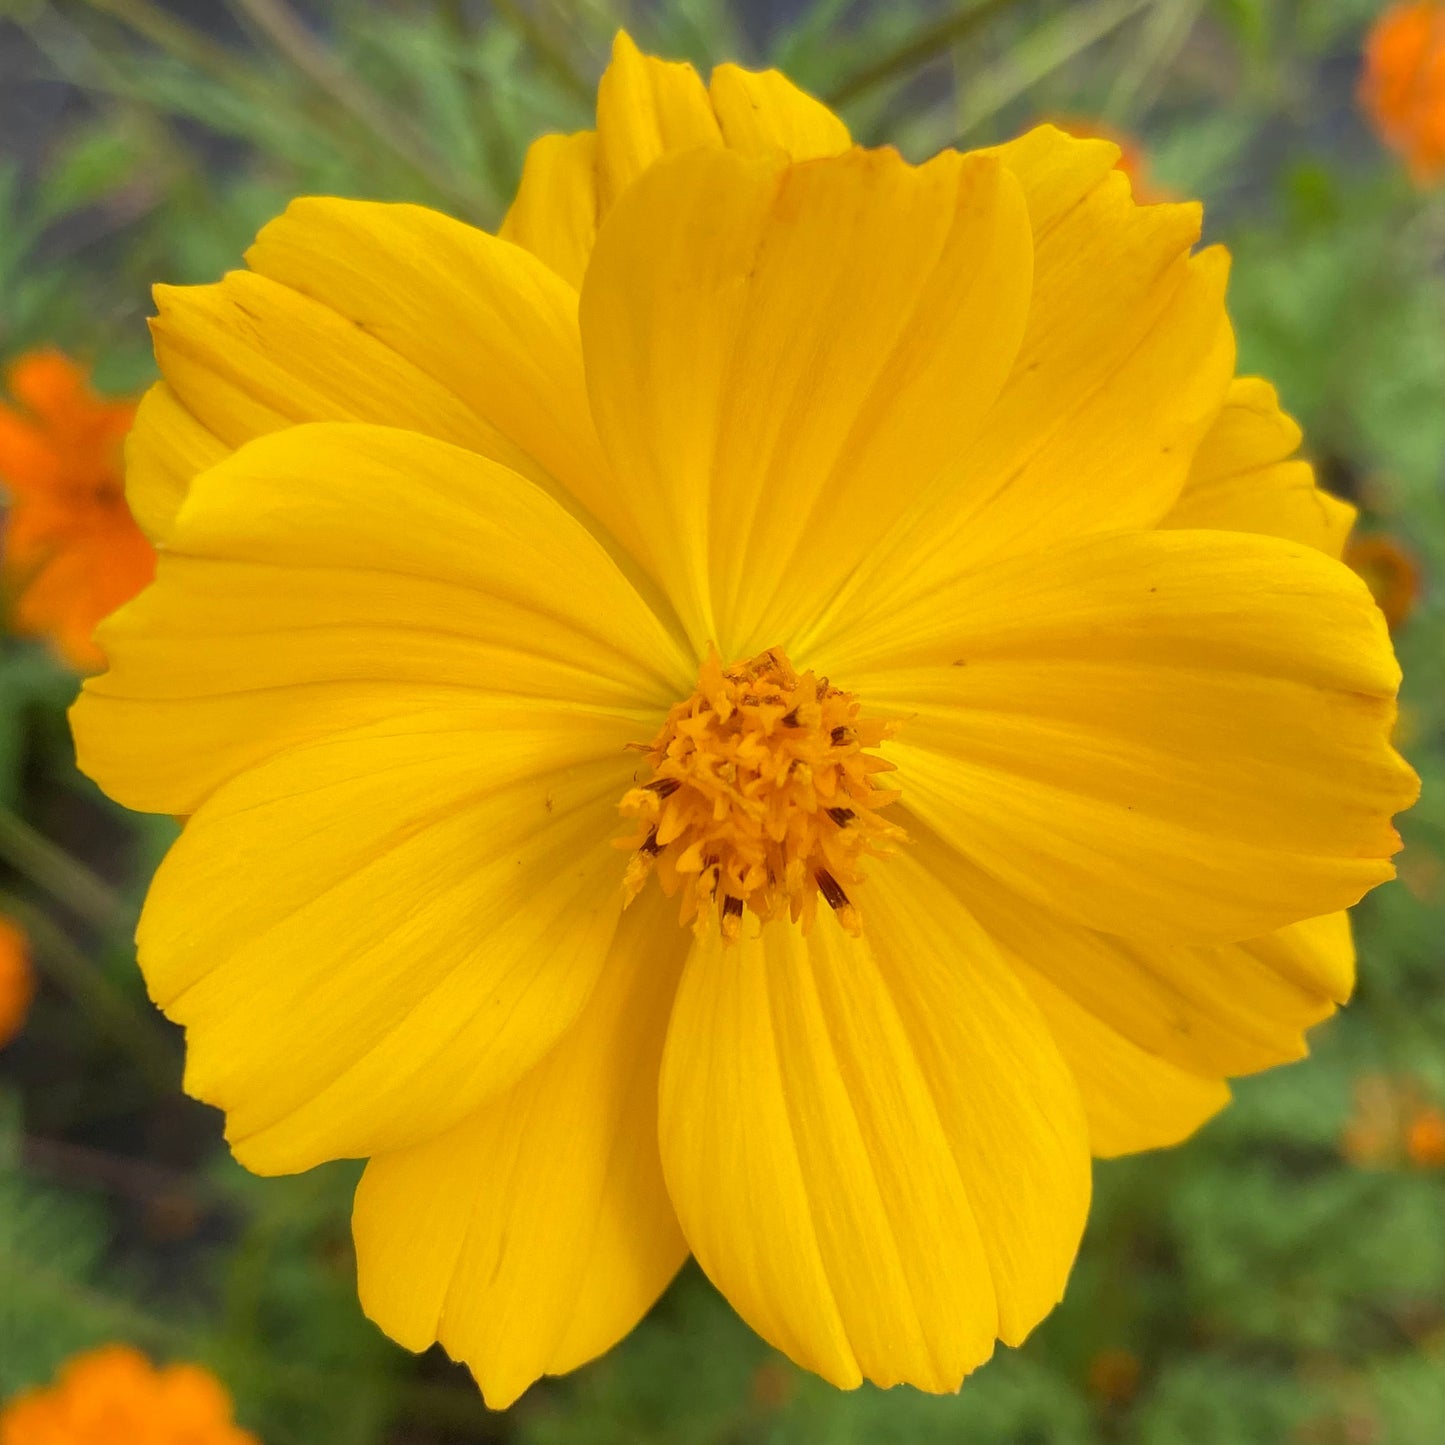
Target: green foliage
[(51, 1247), (1265, 1288)]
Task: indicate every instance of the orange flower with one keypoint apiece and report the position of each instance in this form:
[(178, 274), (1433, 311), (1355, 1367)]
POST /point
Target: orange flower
[(1133, 159), (114, 1396), (1389, 572), (1425, 1138), (1392, 1124), (17, 984), (72, 553), (1403, 86)]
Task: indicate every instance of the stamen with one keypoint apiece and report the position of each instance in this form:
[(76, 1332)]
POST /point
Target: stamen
[(763, 797)]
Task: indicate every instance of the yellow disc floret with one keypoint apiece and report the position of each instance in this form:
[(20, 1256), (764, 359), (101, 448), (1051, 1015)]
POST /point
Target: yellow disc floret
[(762, 797)]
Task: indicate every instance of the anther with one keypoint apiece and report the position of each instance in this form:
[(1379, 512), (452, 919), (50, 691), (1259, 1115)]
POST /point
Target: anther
[(839, 902), (833, 895), (763, 795)]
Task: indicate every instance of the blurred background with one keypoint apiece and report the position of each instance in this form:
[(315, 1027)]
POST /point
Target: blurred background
[(1281, 1278)]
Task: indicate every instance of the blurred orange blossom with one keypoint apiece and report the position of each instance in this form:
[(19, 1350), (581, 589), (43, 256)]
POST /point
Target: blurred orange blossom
[(71, 552), (1402, 88), (115, 1396)]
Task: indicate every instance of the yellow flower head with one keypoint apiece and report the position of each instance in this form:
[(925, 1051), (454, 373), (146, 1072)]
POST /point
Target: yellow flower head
[(887, 558), (71, 551), (114, 1396), (17, 981)]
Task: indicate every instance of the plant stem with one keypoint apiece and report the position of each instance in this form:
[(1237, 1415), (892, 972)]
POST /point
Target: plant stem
[(1165, 34), (133, 1030), (928, 42), (314, 63), (173, 36), (66, 879), (1051, 46), (547, 49)]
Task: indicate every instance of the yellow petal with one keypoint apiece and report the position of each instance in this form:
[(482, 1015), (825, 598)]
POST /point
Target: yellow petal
[(165, 448), (1133, 1099), (533, 1236), (1241, 481), (649, 108), (873, 1146), (1250, 431), (1217, 1011), (554, 214), (780, 357), (332, 575), (250, 356), (1317, 954), (1124, 365), (1151, 1030), (368, 936), (1182, 735), (484, 319), (646, 108), (760, 111)]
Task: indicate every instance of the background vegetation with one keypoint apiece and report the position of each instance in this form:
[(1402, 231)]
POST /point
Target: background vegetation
[(1279, 1279)]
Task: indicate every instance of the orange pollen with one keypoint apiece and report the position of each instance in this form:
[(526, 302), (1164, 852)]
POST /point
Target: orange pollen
[(762, 797)]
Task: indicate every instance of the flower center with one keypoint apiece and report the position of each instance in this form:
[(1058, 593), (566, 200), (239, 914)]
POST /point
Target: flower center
[(762, 797)]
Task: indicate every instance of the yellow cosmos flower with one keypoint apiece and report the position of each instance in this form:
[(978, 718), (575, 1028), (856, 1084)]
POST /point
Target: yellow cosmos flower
[(886, 558)]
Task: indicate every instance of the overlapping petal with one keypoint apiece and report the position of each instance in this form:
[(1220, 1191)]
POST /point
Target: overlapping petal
[(166, 450), (1123, 366), (478, 315), (329, 576), (396, 683), (537, 1233), (1181, 735), (244, 357), (1133, 1099), (896, 1112), (369, 935), (771, 392), (1151, 1031), (762, 111), (1243, 479), (554, 214), (1193, 1016), (648, 108), (1213, 1010), (387, 314)]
